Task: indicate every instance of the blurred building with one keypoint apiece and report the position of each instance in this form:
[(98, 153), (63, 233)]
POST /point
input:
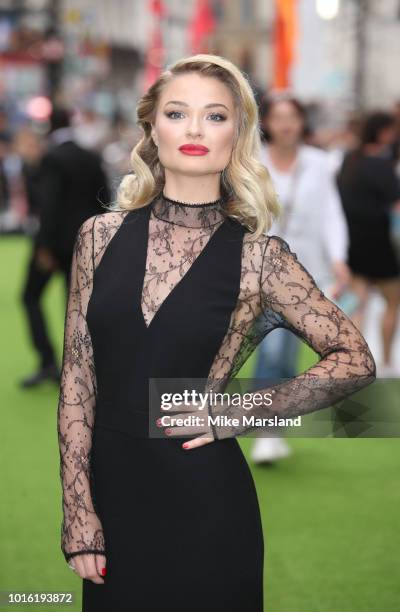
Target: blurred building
[(93, 54), (244, 36), (350, 58), (105, 46), (107, 43), (30, 53)]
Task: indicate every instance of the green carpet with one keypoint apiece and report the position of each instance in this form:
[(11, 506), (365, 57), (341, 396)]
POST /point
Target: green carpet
[(330, 512)]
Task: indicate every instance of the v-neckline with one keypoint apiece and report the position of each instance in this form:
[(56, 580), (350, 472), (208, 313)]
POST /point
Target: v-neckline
[(163, 304)]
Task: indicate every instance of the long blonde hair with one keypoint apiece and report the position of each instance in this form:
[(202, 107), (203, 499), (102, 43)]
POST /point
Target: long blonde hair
[(245, 182)]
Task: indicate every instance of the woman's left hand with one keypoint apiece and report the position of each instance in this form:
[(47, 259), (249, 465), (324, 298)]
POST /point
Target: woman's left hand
[(342, 278), (191, 420)]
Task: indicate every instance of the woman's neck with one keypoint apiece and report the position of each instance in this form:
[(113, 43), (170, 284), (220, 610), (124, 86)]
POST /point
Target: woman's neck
[(188, 214), (197, 190), (283, 158), (374, 149)]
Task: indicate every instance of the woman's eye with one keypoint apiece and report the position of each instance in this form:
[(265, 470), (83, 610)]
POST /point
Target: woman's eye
[(172, 113), (221, 117), (218, 115)]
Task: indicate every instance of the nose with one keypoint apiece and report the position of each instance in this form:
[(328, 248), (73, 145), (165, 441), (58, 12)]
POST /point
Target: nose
[(194, 127)]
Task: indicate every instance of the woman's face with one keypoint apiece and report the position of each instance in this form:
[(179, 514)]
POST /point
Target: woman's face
[(195, 110), (387, 136), (284, 123), (28, 145)]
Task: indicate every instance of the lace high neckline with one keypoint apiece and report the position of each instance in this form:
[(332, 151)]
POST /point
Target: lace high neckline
[(187, 214)]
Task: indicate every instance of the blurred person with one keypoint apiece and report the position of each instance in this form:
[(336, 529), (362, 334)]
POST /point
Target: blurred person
[(369, 190), (395, 147), (5, 126), (5, 180), (91, 129), (343, 140), (70, 187), (312, 222), (16, 207), (4, 186), (30, 148), (116, 152)]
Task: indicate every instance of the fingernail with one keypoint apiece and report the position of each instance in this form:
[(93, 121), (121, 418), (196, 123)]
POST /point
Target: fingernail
[(103, 571), (186, 445)]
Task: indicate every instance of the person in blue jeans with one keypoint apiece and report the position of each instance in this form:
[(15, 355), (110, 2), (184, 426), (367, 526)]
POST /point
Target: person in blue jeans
[(276, 360), (278, 355), (314, 225)]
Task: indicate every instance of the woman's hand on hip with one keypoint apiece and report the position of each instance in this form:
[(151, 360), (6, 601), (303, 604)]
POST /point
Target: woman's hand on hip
[(190, 421)]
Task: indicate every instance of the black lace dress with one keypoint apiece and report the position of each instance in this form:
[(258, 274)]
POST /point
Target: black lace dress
[(178, 290)]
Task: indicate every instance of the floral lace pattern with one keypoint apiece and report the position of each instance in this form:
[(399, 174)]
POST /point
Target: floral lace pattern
[(290, 298), (81, 531), (275, 291), (178, 232)]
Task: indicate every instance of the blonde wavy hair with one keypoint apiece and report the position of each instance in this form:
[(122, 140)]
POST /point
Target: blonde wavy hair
[(245, 183)]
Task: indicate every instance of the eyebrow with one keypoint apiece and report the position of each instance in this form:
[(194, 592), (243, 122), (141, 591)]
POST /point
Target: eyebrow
[(211, 105)]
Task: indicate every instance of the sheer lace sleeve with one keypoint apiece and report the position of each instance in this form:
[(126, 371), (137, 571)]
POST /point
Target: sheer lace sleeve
[(291, 299), (81, 531)]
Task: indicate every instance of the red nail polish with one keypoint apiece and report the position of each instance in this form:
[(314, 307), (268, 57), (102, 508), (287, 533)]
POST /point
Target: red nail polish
[(186, 445), (103, 571)]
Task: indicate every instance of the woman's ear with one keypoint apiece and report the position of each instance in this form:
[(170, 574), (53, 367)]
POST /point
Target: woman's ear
[(153, 135)]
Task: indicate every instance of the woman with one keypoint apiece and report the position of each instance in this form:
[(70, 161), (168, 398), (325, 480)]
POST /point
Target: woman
[(173, 284), (369, 188), (313, 223)]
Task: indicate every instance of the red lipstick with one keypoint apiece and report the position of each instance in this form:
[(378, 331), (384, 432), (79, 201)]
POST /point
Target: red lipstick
[(191, 149)]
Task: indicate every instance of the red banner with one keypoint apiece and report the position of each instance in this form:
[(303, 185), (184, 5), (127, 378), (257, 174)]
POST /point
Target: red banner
[(155, 53), (284, 40), (202, 25)]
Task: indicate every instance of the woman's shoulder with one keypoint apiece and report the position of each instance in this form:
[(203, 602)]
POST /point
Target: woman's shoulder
[(98, 222), (382, 166), (267, 241), (379, 171), (264, 251), (110, 218), (96, 232)]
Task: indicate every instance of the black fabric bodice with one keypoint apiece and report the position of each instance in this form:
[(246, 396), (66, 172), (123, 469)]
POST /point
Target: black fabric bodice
[(180, 290), (185, 332)]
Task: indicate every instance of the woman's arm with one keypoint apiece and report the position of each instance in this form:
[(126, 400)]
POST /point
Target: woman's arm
[(290, 296), (81, 531)]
